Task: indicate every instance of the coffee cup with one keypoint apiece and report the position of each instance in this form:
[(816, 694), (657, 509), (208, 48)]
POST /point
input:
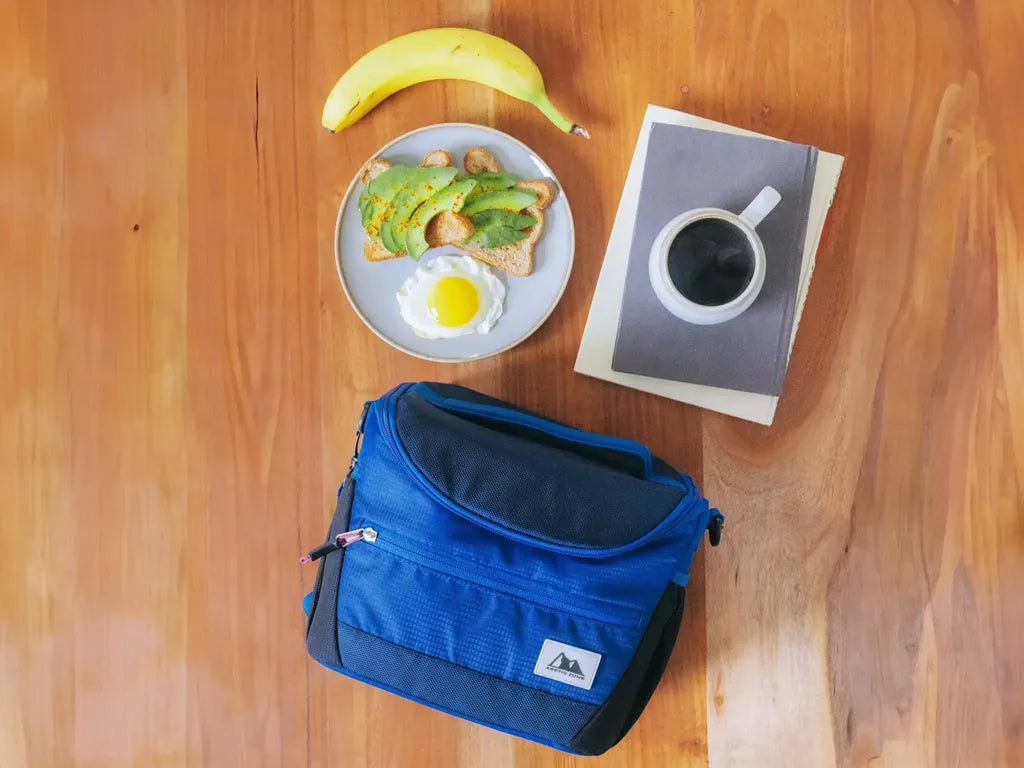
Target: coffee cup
[(707, 265)]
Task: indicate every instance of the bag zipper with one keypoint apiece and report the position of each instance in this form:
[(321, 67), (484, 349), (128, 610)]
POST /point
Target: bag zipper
[(389, 429), (607, 613), (340, 541)]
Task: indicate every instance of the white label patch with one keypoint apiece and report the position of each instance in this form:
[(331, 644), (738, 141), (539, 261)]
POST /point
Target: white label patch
[(567, 664)]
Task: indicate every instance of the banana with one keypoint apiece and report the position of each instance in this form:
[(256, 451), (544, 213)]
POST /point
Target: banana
[(447, 53)]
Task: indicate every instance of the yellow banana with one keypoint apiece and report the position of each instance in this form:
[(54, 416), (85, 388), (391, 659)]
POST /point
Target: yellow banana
[(447, 53)]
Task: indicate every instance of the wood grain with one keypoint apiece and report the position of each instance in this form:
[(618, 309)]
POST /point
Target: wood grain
[(875, 549), (180, 374)]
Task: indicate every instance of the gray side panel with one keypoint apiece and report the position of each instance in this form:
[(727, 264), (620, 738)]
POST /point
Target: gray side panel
[(322, 629)]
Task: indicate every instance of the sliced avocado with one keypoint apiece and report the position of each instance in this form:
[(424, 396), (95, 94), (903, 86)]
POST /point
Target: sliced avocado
[(494, 237), (450, 198), (514, 199), (497, 217), (490, 182), (365, 209), (384, 197), (368, 200), (424, 183)]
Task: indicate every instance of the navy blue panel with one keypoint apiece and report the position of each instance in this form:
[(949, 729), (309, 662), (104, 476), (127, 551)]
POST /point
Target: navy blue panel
[(472, 396), (483, 698), (614, 459), (533, 488)]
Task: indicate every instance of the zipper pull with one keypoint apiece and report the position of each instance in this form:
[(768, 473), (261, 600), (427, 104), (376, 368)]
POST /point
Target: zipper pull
[(340, 541)]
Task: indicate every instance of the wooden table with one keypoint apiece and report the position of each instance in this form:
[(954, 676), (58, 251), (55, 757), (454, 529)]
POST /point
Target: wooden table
[(181, 375)]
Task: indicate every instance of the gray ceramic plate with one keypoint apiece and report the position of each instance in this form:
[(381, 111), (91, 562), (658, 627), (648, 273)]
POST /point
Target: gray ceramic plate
[(371, 286)]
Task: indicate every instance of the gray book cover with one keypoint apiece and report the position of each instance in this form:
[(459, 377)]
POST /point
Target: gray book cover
[(690, 168)]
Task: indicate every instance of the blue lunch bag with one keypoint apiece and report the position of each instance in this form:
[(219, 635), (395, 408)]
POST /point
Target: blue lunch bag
[(505, 568)]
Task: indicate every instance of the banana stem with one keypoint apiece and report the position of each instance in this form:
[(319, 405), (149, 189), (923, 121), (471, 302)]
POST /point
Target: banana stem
[(544, 105)]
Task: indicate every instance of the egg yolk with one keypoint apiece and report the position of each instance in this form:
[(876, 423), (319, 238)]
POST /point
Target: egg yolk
[(453, 301)]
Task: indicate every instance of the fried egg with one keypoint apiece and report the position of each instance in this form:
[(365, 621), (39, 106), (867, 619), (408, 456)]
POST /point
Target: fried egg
[(451, 296)]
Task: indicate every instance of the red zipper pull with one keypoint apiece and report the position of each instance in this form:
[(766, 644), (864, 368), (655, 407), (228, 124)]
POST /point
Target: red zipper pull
[(340, 541)]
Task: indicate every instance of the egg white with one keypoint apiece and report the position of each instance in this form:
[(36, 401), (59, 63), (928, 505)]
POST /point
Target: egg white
[(412, 297)]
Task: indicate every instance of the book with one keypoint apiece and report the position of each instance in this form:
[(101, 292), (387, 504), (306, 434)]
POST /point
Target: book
[(597, 348), (690, 168)]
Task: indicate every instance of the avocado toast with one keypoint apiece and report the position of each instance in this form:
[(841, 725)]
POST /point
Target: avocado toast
[(446, 228), (487, 212)]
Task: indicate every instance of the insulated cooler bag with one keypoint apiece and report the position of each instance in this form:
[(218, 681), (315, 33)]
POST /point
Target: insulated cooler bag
[(505, 568)]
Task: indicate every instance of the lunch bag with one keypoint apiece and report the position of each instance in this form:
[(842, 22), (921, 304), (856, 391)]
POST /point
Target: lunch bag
[(505, 568)]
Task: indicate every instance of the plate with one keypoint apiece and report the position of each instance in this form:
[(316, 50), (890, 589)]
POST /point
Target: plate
[(371, 286)]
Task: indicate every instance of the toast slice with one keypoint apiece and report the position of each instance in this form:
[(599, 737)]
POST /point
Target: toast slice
[(444, 229), (515, 258)]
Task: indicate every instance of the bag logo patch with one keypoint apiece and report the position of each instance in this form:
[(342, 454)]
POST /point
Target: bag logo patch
[(567, 664)]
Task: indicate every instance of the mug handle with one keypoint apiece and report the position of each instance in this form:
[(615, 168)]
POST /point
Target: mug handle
[(761, 206)]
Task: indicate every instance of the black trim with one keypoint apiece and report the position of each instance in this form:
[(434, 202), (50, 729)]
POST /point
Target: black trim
[(322, 625), (629, 697), (460, 690), (715, 528)]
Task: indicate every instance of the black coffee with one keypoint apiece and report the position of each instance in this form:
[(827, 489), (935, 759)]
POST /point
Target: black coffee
[(710, 262)]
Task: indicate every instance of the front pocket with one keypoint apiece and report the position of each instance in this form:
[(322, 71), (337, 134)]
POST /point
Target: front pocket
[(535, 592), (482, 624)]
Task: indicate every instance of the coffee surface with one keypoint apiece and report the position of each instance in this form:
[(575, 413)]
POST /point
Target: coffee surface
[(710, 262)]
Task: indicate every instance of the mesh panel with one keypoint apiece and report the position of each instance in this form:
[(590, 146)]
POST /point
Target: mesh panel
[(530, 487), (488, 699), (629, 463), (624, 462)]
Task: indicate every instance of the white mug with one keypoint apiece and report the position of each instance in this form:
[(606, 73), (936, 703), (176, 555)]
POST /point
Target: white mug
[(746, 222)]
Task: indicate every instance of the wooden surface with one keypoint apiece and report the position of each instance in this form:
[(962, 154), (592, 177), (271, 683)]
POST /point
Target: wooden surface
[(180, 375)]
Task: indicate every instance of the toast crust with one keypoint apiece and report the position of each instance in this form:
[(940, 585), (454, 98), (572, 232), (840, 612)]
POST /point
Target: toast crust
[(479, 160), (437, 159), (544, 191), (373, 168)]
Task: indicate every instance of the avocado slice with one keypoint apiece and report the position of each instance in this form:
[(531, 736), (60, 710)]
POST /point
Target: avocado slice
[(365, 208), (514, 199), (497, 217), (384, 200), (371, 195), (490, 182), (423, 183), (450, 198), (495, 237)]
